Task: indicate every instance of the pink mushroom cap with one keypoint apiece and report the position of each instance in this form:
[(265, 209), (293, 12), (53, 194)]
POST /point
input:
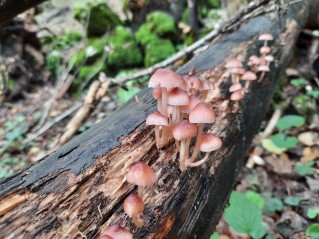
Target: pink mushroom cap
[(210, 143), (184, 130), (165, 77), (156, 118), (202, 114), (141, 175), (117, 232)]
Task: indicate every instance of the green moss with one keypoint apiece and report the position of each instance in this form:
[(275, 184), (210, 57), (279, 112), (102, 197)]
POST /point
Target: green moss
[(161, 23), (53, 62), (124, 50), (144, 35), (102, 18), (158, 24), (157, 51)]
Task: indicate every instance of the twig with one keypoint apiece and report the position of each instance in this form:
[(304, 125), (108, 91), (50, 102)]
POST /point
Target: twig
[(272, 123), (55, 120)]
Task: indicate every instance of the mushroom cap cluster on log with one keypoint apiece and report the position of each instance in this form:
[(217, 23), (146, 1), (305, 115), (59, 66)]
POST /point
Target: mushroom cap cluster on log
[(80, 188)]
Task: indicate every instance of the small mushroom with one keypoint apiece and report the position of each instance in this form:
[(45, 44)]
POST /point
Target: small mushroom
[(237, 96), (248, 77), (209, 144), (141, 175), (184, 132), (265, 37), (159, 121), (200, 115), (134, 206), (116, 232)]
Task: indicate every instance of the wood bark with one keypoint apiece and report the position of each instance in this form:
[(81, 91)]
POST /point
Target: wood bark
[(80, 188), (10, 8)]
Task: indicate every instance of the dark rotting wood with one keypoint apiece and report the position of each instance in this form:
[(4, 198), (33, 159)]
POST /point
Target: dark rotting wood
[(80, 188)]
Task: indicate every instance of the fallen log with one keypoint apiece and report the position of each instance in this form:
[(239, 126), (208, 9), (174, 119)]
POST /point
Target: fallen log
[(80, 188)]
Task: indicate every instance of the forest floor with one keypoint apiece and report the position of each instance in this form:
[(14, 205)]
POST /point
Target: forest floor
[(279, 182)]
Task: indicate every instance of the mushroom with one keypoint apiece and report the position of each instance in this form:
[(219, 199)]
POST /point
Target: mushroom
[(141, 175), (105, 237), (207, 86), (157, 94), (134, 206), (234, 87), (177, 98), (193, 101), (237, 96), (263, 69), (248, 77), (184, 132), (209, 143), (158, 120), (264, 50), (265, 37), (200, 115), (166, 79), (116, 232)]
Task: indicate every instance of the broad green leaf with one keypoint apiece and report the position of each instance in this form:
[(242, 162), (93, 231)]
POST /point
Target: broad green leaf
[(305, 169), (313, 93), (313, 231), (289, 121), (313, 212), (271, 147), (214, 236), (255, 198), (293, 201), (274, 204), (281, 141), (242, 214), (259, 232)]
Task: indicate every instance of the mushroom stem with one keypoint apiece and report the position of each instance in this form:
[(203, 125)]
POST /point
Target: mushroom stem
[(157, 136), (164, 101), (195, 164), (247, 85), (140, 192), (138, 220), (261, 77), (182, 155), (235, 107), (198, 141), (159, 105)]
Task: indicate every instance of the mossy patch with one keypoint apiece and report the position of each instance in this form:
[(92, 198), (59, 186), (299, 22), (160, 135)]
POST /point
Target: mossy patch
[(124, 51), (157, 51), (101, 17)]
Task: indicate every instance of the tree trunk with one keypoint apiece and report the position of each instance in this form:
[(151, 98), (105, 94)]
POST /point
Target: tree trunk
[(80, 188)]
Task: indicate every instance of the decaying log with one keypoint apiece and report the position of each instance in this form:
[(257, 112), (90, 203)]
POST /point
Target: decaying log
[(11, 8), (80, 188)]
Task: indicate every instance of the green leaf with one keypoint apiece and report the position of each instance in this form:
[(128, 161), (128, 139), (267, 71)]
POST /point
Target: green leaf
[(281, 141), (271, 147), (214, 236), (313, 93), (298, 82), (304, 169), (125, 95), (259, 232), (255, 198), (274, 204), (293, 201), (289, 121), (313, 231), (313, 212), (242, 214)]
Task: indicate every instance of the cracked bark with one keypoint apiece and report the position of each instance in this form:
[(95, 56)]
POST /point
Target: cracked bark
[(80, 188)]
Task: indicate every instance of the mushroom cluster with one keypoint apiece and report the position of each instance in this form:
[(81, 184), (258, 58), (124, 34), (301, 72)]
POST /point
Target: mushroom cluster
[(257, 66), (181, 116), (181, 113)]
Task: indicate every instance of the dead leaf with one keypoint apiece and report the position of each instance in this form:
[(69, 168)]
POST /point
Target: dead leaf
[(280, 164), (313, 184), (309, 154), (309, 138)]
